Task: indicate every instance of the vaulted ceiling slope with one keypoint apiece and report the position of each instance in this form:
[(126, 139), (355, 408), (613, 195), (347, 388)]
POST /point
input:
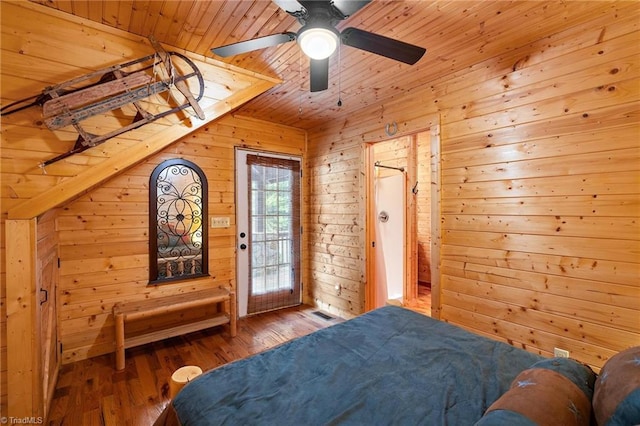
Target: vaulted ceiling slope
[(456, 34), (43, 48)]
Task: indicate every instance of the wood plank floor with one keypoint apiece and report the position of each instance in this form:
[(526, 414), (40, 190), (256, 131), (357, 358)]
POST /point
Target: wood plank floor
[(422, 303), (91, 392)]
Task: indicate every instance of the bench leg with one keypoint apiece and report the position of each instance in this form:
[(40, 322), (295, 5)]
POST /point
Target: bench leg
[(119, 320), (232, 314)]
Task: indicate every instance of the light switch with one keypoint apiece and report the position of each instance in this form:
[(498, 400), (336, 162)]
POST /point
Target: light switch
[(220, 222)]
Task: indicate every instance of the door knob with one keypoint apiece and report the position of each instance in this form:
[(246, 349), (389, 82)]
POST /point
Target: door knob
[(243, 246)]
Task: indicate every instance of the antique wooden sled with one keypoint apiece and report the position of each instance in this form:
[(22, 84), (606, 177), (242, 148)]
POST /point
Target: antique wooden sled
[(108, 89)]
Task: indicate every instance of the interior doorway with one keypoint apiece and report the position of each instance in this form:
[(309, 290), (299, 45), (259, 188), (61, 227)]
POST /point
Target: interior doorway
[(405, 161)]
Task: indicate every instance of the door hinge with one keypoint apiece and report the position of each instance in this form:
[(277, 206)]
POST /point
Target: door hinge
[(58, 263), (373, 244)]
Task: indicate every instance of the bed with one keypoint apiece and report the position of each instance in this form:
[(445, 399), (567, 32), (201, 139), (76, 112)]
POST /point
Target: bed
[(388, 366)]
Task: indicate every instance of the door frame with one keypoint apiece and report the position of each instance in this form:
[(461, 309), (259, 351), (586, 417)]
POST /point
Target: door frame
[(242, 288), (411, 278), (410, 250)]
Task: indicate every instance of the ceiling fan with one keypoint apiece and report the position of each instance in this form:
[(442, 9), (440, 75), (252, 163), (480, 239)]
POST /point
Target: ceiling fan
[(318, 38)]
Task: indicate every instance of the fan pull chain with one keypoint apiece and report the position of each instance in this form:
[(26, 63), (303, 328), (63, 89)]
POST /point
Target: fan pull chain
[(339, 74), (301, 83)]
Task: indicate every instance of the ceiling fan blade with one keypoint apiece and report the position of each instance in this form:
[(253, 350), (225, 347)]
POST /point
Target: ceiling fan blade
[(319, 75), (381, 45), (255, 44), (289, 6), (349, 7)]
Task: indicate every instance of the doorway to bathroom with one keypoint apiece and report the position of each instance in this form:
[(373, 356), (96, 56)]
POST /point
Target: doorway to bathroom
[(399, 253)]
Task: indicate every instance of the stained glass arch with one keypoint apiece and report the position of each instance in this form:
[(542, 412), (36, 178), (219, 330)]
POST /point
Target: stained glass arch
[(178, 239)]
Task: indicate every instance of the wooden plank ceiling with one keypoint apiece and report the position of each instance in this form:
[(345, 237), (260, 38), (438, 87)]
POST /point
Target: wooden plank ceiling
[(456, 34)]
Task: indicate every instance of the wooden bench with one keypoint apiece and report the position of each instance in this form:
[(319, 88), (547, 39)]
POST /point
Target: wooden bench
[(124, 312)]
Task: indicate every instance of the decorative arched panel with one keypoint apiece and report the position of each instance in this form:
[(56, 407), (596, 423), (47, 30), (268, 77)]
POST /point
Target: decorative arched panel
[(177, 222)]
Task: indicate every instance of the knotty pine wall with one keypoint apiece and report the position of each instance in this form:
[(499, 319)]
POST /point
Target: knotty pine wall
[(394, 153), (335, 230), (104, 234), (540, 192), (39, 47), (102, 237)]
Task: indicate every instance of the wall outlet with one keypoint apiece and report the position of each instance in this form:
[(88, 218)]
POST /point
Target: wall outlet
[(220, 222), (560, 353)]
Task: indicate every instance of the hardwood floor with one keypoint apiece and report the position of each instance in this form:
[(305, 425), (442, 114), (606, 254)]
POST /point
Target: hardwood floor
[(424, 299), (423, 303), (92, 392)]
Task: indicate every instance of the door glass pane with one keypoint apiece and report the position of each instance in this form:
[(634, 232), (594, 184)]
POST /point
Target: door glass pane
[(257, 255), (274, 218)]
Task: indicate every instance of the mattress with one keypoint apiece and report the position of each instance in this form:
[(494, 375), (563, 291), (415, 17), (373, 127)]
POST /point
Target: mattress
[(388, 366)]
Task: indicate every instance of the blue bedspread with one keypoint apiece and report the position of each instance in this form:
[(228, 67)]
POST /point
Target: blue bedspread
[(389, 366)]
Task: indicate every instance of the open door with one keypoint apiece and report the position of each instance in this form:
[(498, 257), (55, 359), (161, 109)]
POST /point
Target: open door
[(49, 354), (390, 233), (417, 158), (390, 223)]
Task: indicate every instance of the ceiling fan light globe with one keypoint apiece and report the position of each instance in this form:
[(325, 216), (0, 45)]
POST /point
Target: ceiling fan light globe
[(318, 43)]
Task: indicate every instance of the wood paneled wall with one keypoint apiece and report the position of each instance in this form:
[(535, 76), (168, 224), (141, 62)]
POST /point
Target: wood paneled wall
[(70, 48), (335, 227), (540, 190), (104, 234), (394, 153), (540, 183), (39, 47)]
